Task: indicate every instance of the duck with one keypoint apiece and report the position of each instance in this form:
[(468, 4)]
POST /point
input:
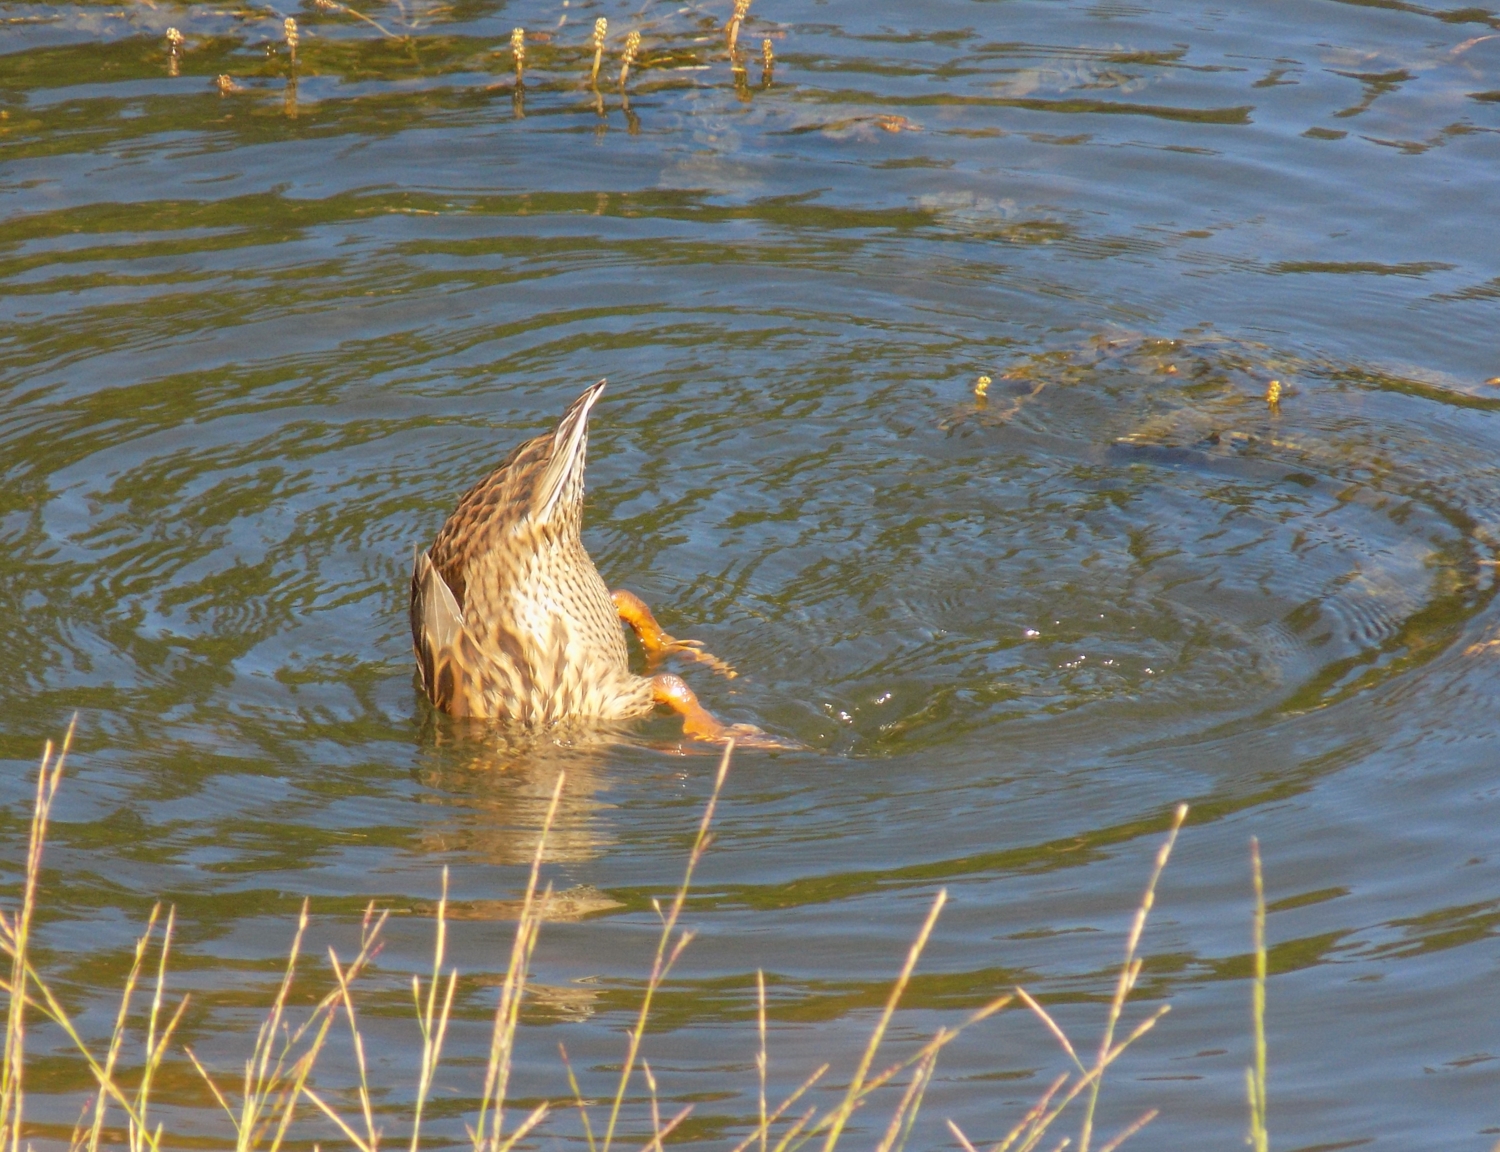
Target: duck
[(512, 622)]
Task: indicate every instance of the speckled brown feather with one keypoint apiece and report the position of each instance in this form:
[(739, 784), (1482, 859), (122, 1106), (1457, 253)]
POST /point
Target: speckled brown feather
[(509, 617)]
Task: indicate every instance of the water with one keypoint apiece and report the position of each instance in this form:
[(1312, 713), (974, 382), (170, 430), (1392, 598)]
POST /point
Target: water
[(256, 343)]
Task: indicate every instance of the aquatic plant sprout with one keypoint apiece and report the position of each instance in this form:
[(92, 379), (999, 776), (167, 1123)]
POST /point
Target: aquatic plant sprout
[(278, 1073)]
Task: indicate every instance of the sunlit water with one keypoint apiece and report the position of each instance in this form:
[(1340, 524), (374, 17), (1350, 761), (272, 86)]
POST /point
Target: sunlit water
[(255, 343)]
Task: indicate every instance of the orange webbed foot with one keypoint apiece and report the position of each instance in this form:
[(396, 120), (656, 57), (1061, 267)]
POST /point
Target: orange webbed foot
[(654, 638), (698, 723)]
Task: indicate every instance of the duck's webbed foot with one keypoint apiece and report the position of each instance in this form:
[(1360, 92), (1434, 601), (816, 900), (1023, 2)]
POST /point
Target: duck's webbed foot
[(654, 639), (698, 723)]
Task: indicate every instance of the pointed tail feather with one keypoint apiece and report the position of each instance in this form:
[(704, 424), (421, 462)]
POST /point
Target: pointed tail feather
[(569, 445)]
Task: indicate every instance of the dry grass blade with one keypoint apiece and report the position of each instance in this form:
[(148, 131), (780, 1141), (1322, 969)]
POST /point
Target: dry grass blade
[(296, 1082), (117, 1036), (272, 1087), (1089, 1079), (538, 1114), (1145, 1119), (286, 1088), (765, 1127), (1053, 1026), (276, 1075), (155, 1049), (52, 1009), (262, 1075), (663, 962), (17, 933), (656, 1132), (1129, 971), (1028, 1122), (940, 1040), (1255, 1078), (212, 1087), (432, 1020), (762, 1062), (14, 942), (658, 1137), (905, 1115), (349, 1133), (141, 1141), (962, 1139), (796, 1128), (78, 1140), (841, 1115), (1136, 1033), (372, 1138), (583, 1110), (508, 1014), (322, 1016)]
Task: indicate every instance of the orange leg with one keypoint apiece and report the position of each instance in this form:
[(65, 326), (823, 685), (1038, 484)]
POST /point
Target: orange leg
[(698, 723), (656, 642)]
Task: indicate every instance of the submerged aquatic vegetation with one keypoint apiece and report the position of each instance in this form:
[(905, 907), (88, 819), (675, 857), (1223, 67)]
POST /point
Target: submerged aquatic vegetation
[(278, 1073)]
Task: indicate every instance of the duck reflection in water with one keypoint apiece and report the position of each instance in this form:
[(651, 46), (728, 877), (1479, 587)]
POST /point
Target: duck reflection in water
[(487, 796), (495, 787)]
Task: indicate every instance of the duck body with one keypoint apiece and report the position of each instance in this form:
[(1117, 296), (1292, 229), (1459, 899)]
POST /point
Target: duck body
[(510, 619)]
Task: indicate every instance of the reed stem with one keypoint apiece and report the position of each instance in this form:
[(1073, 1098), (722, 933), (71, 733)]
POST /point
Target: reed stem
[(1255, 1077)]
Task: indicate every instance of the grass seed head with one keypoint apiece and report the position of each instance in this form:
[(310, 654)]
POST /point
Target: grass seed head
[(601, 29), (518, 48), (732, 29), (632, 46)]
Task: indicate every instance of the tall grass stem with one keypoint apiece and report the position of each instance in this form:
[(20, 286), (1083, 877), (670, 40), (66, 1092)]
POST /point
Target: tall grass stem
[(1255, 1077)]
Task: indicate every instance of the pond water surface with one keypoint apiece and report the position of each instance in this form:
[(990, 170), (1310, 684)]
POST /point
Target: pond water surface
[(254, 342)]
